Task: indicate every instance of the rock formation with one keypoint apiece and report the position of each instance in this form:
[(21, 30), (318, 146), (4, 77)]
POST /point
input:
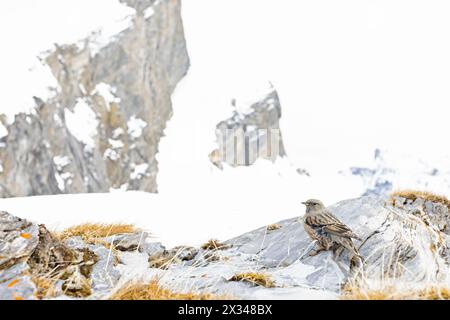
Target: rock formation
[(102, 128), (250, 134), (403, 240)]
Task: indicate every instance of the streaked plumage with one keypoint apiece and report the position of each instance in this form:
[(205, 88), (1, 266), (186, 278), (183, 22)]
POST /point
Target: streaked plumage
[(329, 231)]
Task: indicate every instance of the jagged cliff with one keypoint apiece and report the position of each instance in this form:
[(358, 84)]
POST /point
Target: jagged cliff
[(102, 128), (250, 134)]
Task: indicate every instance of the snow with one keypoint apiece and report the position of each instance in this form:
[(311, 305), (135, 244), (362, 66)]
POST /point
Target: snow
[(348, 78), (82, 123), (61, 162), (149, 12), (117, 133), (139, 171), (111, 154), (23, 73), (136, 126), (3, 131), (107, 92), (115, 144), (60, 181)]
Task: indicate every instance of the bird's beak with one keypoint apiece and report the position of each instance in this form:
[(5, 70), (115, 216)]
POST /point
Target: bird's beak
[(304, 203)]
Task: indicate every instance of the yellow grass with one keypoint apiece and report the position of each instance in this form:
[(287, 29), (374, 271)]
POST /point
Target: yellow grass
[(415, 194), (45, 286), (162, 261), (393, 293), (254, 278), (273, 227), (215, 245), (91, 232), (154, 291)]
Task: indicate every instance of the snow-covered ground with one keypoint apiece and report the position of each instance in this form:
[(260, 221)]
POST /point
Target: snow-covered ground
[(352, 76)]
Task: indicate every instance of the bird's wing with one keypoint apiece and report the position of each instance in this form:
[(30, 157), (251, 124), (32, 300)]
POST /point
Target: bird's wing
[(330, 224)]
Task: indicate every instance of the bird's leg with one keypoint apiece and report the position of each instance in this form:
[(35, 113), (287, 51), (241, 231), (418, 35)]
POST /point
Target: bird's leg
[(316, 251), (337, 251), (309, 251)]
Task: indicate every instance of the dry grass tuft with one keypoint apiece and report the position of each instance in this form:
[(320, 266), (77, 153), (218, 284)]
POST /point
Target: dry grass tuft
[(162, 261), (215, 245), (273, 227), (416, 194), (154, 291), (392, 292), (45, 287), (92, 232), (254, 278)]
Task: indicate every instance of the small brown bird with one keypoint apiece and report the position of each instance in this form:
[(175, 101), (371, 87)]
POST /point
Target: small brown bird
[(330, 233)]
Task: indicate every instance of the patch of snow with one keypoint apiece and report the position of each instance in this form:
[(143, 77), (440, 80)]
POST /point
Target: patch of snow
[(3, 131), (149, 12), (1, 168), (82, 123), (107, 92), (61, 162), (103, 36), (57, 119), (60, 181), (117, 133), (116, 144), (136, 126), (139, 171), (111, 154), (122, 188)]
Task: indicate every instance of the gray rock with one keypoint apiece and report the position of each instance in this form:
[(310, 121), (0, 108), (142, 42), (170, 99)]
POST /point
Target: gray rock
[(152, 248), (140, 67), (104, 274), (18, 239), (19, 288), (394, 240), (246, 137), (128, 242)]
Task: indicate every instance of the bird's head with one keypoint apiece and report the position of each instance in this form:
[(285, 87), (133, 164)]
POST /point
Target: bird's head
[(313, 205)]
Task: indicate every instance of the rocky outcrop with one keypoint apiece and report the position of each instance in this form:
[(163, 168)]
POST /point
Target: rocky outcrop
[(102, 128), (397, 242), (30, 255), (36, 264), (403, 241), (250, 134)]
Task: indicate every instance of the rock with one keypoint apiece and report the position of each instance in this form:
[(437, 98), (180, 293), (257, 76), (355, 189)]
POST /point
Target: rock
[(121, 92), (250, 135), (162, 260), (18, 240), (128, 242), (19, 288), (152, 248), (31, 255), (394, 240), (103, 273)]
